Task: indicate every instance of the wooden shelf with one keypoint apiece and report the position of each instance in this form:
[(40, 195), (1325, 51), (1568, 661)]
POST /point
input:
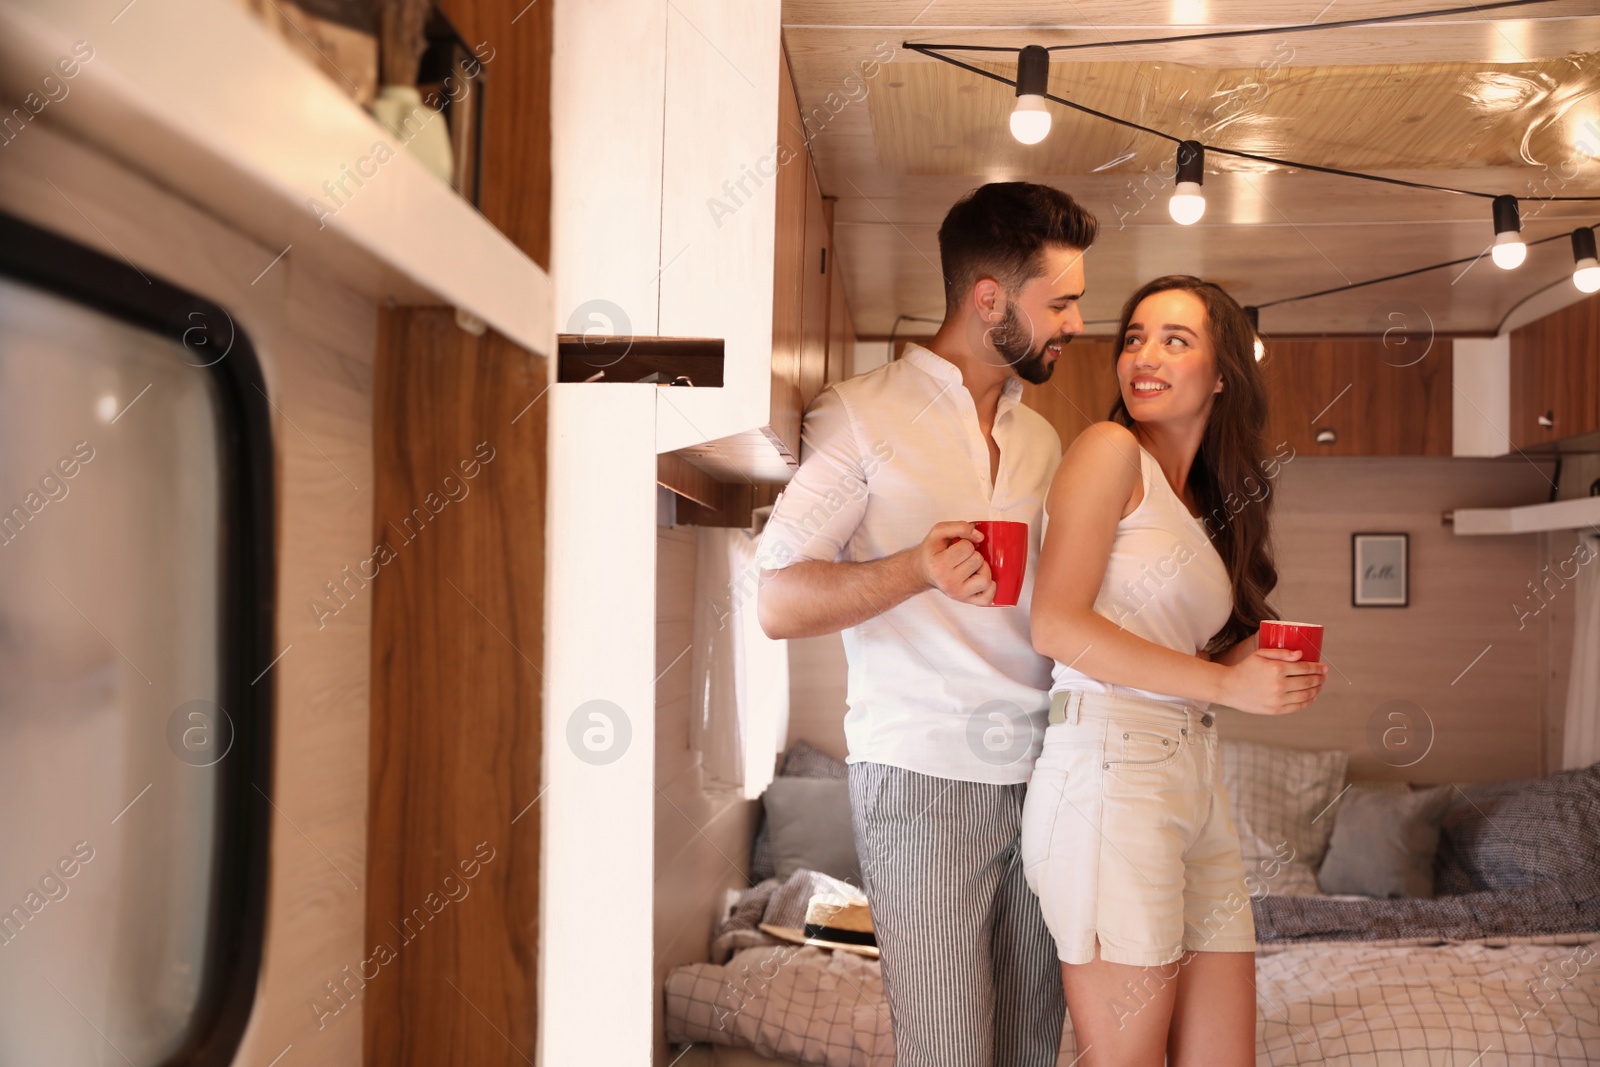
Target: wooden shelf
[(1530, 518), (206, 101)]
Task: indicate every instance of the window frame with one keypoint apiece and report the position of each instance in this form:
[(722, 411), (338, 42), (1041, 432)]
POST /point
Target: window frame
[(236, 916)]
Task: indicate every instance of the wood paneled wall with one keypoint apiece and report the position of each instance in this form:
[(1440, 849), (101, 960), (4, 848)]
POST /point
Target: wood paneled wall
[(516, 120), (457, 653)]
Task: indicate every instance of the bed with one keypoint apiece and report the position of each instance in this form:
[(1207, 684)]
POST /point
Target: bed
[(1499, 963)]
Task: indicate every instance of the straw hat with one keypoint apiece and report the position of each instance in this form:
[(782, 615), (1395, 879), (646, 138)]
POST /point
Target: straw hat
[(833, 922)]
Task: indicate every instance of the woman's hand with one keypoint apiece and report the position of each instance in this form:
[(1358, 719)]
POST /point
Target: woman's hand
[(1273, 681)]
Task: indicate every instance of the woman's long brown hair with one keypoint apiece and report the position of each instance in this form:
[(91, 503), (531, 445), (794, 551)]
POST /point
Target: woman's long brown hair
[(1228, 473)]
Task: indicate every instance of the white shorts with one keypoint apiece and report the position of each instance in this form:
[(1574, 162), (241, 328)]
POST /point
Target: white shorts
[(1126, 835)]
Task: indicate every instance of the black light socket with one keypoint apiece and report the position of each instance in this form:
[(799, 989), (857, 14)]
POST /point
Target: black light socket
[(1033, 71), (1254, 315), (1507, 215), (1583, 244), (1191, 162)]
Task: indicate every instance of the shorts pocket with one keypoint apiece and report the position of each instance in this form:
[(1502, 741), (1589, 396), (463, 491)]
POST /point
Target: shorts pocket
[(1132, 745), (1057, 780)]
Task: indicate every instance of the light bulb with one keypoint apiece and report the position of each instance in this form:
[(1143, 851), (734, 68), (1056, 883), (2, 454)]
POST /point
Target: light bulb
[(1587, 277), (1030, 120), (1187, 204), (1261, 350), (1509, 251)]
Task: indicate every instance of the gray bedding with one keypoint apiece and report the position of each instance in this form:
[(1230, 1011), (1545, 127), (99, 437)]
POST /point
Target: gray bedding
[(1515, 858), (1546, 908)]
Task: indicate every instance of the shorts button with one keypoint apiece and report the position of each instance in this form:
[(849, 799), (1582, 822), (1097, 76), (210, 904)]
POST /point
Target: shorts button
[(1105, 766), (1164, 741), (1124, 737), (1206, 719)]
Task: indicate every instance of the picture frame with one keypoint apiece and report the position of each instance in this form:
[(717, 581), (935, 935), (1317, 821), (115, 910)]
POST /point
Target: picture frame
[(1380, 570)]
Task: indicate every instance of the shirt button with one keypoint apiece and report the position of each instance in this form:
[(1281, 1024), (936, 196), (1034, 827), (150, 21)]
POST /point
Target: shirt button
[(1124, 737)]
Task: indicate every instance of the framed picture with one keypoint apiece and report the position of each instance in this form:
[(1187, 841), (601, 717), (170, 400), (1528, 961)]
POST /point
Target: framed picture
[(1379, 570)]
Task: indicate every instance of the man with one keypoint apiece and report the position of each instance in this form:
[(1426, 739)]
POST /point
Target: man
[(947, 697)]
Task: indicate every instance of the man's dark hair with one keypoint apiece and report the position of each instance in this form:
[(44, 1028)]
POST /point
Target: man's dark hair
[(999, 230)]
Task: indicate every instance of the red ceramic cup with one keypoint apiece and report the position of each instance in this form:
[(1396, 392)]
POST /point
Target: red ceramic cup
[(1005, 548), (1305, 636)]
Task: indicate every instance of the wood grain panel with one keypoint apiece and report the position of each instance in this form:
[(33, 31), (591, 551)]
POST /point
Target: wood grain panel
[(817, 271), (1080, 391), (788, 270), (1555, 371), (945, 120), (1375, 398), (457, 648), (516, 117), (841, 328)]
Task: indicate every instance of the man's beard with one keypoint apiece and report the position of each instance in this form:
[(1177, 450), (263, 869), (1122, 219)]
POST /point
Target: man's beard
[(1013, 342)]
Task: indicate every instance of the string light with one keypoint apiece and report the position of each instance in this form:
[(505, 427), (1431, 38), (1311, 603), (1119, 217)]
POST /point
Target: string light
[(1254, 315), (1188, 203), (1586, 268), (1508, 251), (1030, 119)]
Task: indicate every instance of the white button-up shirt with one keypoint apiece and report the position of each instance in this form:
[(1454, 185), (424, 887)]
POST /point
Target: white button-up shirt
[(936, 686)]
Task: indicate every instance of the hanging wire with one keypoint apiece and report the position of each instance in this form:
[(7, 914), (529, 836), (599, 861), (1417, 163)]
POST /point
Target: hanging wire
[(1264, 31), (1406, 273)]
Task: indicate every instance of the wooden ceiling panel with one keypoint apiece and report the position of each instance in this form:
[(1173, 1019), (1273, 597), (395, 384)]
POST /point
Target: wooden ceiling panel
[(933, 118), (1485, 103)]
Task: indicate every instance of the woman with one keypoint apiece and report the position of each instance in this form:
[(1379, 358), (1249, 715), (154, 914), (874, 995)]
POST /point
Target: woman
[(1152, 579)]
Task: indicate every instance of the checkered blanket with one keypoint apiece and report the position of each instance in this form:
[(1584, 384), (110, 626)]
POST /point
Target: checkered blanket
[(1526, 1002), (1521, 1002), (1514, 998)]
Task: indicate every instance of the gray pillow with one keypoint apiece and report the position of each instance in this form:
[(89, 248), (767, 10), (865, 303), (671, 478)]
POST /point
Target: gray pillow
[(808, 825), (1384, 843), (801, 761)]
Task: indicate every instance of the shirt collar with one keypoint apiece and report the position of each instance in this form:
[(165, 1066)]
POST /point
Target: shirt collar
[(927, 360)]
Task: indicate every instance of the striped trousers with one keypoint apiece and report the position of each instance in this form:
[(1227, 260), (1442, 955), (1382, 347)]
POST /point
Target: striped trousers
[(969, 968)]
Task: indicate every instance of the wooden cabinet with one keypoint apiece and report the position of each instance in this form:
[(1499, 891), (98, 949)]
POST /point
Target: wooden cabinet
[(817, 272), (1555, 383), (804, 280), (1080, 391), (1377, 400), (1375, 405), (788, 267), (841, 328)]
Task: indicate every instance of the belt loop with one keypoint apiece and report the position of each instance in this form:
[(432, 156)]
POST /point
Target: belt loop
[(1074, 699)]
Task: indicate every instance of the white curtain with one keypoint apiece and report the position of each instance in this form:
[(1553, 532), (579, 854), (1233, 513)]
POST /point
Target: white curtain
[(1581, 738), (740, 677)]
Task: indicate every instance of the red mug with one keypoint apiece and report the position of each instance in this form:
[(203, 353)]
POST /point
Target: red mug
[(1005, 548), (1304, 636)]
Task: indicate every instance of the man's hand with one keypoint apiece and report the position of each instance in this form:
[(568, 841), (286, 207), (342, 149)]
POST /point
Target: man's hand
[(948, 560)]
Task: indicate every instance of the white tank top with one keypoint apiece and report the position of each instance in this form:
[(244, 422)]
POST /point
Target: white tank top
[(1164, 582)]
